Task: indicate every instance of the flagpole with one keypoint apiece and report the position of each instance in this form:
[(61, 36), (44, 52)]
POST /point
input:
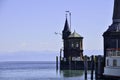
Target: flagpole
[(70, 19)]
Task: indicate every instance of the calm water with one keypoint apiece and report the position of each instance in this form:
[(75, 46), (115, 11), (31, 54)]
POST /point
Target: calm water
[(37, 71)]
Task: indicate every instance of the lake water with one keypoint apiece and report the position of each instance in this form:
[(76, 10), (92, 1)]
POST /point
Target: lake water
[(37, 71)]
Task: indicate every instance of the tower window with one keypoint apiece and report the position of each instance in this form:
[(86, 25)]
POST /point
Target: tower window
[(72, 45), (118, 54), (107, 62), (114, 62), (77, 45)]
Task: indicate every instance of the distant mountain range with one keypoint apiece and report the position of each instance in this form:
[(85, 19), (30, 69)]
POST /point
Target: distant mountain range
[(39, 55)]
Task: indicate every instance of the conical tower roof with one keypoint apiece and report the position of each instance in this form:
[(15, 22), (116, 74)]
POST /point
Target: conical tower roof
[(66, 26), (115, 27), (66, 31), (116, 11)]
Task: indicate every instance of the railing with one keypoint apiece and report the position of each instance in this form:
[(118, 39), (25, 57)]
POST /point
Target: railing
[(113, 53), (72, 59)]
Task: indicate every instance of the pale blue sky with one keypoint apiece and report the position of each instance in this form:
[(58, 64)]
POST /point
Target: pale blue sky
[(29, 25)]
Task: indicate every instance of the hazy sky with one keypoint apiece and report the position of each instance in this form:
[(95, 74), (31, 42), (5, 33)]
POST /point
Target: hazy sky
[(29, 25)]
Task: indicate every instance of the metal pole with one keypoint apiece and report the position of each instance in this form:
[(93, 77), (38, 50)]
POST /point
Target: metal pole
[(92, 67), (56, 62), (85, 66), (70, 19)]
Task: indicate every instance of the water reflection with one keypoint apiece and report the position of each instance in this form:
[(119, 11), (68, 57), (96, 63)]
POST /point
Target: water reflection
[(71, 73)]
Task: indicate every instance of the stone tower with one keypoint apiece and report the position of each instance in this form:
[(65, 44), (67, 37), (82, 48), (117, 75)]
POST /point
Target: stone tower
[(73, 43)]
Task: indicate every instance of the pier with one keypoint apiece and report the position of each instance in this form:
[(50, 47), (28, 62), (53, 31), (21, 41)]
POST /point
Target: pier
[(94, 65), (106, 67)]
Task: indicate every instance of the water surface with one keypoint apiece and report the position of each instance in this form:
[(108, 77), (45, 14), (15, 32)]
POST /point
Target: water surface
[(37, 71)]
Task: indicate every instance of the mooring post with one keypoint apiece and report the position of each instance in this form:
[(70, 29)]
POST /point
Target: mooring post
[(100, 67), (60, 58), (85, 66), (75, 65), (56, 62), (96, 67), (69, 62), (92, 66)]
